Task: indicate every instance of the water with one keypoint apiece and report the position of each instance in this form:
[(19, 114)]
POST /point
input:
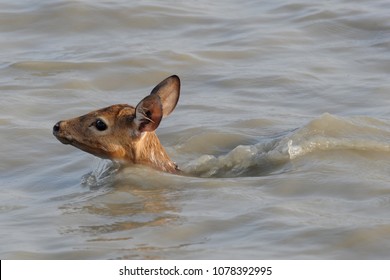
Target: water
[(283, 127)]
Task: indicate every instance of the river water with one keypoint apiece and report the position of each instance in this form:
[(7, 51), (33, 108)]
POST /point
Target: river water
[(283, 128)]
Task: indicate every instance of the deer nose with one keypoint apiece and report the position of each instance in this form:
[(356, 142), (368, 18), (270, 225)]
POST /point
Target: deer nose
[(57, 127)]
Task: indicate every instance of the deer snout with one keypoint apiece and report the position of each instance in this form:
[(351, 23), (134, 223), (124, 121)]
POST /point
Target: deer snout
[(61, 134), (57, 127)]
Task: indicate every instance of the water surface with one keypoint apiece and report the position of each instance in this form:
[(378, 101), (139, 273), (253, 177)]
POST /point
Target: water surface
[(283, 127)]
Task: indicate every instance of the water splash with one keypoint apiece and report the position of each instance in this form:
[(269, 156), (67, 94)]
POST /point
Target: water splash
[(328, 132), (101, 174), (244, 160)]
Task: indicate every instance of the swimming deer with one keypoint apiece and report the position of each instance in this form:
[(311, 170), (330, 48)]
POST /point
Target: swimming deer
[(125, 133)]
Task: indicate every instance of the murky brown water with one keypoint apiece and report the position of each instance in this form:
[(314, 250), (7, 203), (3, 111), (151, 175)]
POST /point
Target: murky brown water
[(283, 125)]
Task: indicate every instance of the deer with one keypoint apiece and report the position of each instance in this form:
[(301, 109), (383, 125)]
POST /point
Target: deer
[(124, 133)]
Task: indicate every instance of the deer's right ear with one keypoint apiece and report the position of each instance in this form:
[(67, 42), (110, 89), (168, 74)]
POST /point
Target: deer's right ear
[(148, 113), (169, 92)]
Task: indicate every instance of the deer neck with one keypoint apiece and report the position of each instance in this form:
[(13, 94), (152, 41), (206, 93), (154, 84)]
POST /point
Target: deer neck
[(149, 151)]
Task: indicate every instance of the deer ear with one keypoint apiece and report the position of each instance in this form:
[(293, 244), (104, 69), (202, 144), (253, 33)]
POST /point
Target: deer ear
[(148, 113), (169, 92)]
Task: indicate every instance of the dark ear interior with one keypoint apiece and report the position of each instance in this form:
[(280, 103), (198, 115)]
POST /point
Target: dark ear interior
[(148, 113), (169, 93)]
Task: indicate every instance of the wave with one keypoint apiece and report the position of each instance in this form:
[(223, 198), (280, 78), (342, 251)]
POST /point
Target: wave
[(326, 133)]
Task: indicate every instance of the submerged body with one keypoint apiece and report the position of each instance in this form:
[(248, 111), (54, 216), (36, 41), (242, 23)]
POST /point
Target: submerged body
[(125, 133)]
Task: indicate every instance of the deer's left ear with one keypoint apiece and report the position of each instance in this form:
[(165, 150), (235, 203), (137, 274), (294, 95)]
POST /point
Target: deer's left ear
[(169, 93), (148, 113)]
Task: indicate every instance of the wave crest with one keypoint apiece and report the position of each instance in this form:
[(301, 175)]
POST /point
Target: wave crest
[(328, 132)]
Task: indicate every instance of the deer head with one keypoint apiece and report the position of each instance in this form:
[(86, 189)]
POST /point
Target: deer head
[(125, 133)]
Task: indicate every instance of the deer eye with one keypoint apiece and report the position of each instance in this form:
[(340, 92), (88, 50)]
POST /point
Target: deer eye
[(100, 125)]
